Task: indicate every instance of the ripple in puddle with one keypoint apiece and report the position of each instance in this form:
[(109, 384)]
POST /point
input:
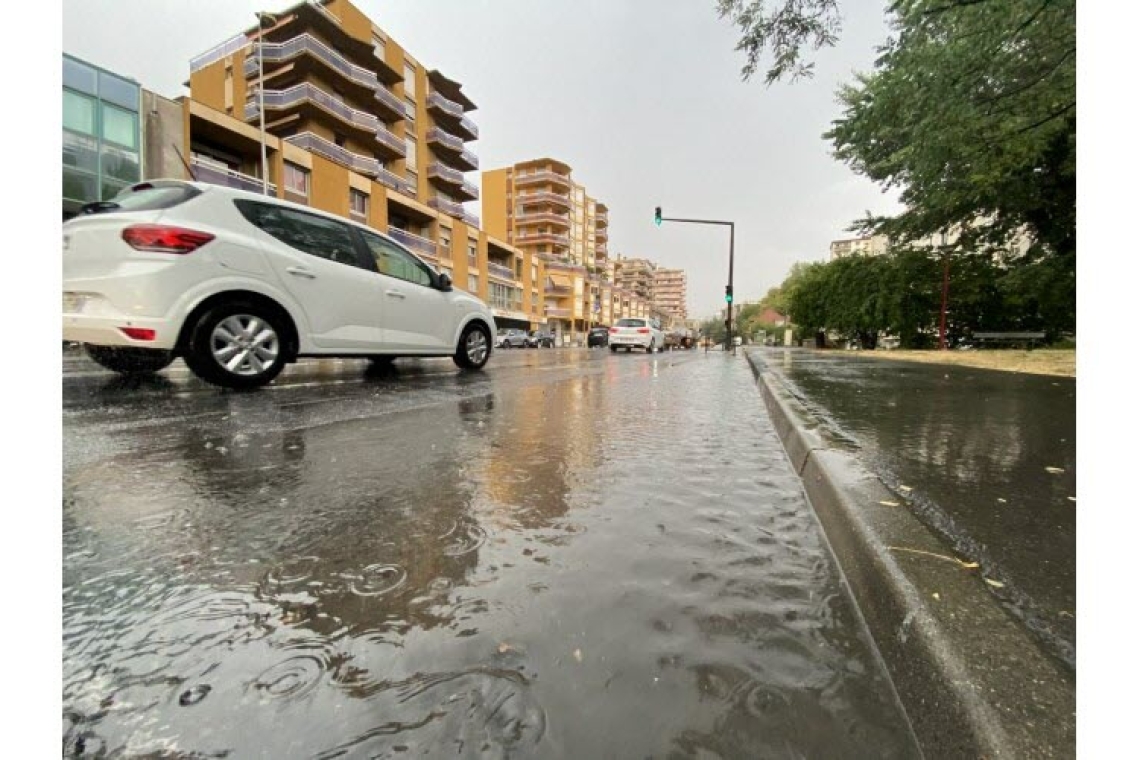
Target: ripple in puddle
[(463, 538), (377, 580)]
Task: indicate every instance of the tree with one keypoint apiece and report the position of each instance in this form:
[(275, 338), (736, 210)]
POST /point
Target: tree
[(971, 113), (807, 294)]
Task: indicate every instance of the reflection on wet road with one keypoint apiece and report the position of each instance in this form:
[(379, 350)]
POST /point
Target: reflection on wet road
[(985, 458), (570, 555)]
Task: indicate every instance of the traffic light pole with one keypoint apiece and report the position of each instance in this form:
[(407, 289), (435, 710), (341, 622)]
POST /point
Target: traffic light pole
[(728, 344)]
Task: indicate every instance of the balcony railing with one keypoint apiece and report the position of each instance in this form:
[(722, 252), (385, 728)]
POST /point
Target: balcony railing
[(454, 209), (451, 142), (453, 177), (542, 237), (417, 243), (542, 216), (277, 52), (307, 92), (543, 197), (454, 110), (543, 176), (471, 219), (553, 312), (335, 153), (390, 99), (220, 174), (229, 47), (498, 270)]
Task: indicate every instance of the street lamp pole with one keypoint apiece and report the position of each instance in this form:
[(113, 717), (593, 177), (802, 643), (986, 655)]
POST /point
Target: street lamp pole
[(261, 17), (728, 345)]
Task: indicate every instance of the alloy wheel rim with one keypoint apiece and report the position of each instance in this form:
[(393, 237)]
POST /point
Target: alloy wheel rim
[(476, 346), (244, 345)]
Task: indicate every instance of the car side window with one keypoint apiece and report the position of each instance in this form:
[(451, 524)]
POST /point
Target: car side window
[(396, 262), (308, 233)]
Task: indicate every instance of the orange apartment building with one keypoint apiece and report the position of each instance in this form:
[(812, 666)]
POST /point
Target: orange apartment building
[(356, 126), (670, 293), (539, 208)]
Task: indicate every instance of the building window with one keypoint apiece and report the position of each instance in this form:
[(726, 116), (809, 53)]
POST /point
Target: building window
[(120, 127), (445, 243), (357, 204), (409, 81), (296, 180), (410, 152), (472, 253), (338, 139), (78, 76), (473, 283), (378, 47), (78, 112)]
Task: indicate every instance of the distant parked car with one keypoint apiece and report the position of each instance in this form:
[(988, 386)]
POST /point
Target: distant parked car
[(599, 336), (540, 339), (511, 339), (239, 285), (637, 332)]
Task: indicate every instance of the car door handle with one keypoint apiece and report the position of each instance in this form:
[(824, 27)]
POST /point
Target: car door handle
[(395, 294), (301, 272)]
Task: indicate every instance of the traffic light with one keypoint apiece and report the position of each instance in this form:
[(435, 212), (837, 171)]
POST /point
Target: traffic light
[(728, 294), (657, 216)]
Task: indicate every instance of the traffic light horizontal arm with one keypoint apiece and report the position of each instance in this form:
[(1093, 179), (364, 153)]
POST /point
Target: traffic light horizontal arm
[(696, 221)]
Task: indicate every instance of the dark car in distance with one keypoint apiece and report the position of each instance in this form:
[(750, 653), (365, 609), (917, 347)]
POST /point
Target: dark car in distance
[(599, 336), (540, 339)]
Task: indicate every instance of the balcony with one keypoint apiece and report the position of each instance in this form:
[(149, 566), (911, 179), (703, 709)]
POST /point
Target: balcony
[(392, 102), (416, 243), (218, 52), (220, 174), (542, 177), (453, 147), (500, 271), (301, 94), (443, 108), (532, 238), (562, 313), (361, 164), (453, 179), (453, 209), (544, 198), (306, 44), (602, 220), (535, 217)]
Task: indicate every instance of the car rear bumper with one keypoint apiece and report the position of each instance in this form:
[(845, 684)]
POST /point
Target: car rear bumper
[(630, 341), (106, 331)]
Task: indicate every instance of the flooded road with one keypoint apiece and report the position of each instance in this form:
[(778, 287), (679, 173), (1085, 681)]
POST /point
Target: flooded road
[(572, 554), (986, 459)]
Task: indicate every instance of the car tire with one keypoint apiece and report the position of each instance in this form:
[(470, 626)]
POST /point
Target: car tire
[(127, 360), (474, 347), (613, 349), (649, 348), (248, 332), (381, 360)]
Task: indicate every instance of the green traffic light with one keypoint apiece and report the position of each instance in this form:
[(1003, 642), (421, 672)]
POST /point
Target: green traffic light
[(657, 216)]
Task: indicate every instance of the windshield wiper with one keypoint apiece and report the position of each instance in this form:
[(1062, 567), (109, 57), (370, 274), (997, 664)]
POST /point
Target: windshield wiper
[(98, 207)]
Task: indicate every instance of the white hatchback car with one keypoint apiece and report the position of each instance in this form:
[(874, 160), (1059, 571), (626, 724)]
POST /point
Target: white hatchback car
[(239, 285), (637, 332)]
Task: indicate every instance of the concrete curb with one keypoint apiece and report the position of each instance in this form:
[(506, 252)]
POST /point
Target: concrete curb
[(972, 681)]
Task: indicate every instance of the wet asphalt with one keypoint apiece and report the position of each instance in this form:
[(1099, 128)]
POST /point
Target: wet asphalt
[(570, 554), (986, 459)]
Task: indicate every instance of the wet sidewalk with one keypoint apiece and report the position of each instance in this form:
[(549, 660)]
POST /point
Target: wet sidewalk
[(986, 459), (605, 558)]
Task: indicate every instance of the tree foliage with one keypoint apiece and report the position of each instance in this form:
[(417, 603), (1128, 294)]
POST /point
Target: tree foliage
[(971, 114), (782, 28)]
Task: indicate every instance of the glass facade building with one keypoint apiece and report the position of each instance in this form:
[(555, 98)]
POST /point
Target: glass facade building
[(102, 134)]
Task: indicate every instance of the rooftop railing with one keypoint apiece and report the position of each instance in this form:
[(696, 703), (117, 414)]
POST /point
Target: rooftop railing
[(219, 51)]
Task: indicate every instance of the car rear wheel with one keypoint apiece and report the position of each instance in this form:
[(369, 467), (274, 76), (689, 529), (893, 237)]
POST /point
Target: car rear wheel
[(237, 345), (650, 348), (474, 347), (129, 361)]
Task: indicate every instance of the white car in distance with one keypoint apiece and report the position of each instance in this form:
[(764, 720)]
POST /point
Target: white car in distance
[(637, 332), (239, 285)]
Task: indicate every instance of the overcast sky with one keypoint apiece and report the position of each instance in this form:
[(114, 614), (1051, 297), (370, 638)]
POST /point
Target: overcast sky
[(643, 98)]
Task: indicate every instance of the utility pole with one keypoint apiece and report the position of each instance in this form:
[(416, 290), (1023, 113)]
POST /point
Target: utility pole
[(658, 219)]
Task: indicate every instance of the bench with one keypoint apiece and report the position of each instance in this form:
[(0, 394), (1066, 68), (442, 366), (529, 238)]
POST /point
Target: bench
[(1009, 338)]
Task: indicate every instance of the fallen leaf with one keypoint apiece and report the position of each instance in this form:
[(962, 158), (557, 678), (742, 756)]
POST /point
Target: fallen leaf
[(578, 655), (936, 596), (905, 488), (995, 584), (890, 503), (1054, 470), (961, 562), (1065, 613), (1002, 501)]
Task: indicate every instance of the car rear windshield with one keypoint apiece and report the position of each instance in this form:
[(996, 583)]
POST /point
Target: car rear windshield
[(152, 197), (631, 323)]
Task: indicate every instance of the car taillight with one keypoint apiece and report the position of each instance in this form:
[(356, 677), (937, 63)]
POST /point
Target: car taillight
[(643, 330), (162, 238), (138, 333), (613, 330)]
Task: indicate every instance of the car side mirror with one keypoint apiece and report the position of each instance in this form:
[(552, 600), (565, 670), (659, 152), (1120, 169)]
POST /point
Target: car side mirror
[(444, 282)]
